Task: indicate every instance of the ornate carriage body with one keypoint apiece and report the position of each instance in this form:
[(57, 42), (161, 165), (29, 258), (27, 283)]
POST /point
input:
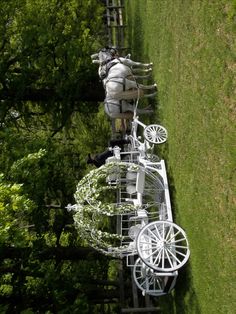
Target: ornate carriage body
[(143, 229)]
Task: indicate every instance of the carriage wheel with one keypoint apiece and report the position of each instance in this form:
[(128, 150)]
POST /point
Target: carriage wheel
[(163, 246), (155, 134), (146, 279), (153, 158)]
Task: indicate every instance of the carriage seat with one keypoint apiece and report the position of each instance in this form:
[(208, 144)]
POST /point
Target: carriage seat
[(140, 180), (135, 181), (141, 215), (112, 177), (111, 159)]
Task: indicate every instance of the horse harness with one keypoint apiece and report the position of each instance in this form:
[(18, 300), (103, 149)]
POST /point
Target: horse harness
[(117, 104), (109, 64), (118, 80)]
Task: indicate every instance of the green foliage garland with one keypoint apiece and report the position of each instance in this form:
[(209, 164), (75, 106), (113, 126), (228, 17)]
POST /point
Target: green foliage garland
[(91, 210)]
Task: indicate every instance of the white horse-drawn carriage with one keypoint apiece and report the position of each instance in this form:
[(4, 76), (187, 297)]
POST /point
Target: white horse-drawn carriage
[(123, 209)]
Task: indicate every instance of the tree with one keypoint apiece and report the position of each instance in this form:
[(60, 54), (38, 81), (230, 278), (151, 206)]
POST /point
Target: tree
[(45, 57), (45, 170), (46, 131), (34, 267)]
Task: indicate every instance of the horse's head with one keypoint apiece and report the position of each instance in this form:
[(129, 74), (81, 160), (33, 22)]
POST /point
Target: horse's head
[(106, 54)]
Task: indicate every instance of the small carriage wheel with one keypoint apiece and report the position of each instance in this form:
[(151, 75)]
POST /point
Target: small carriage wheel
[(146, 279), (153, 158), (163, 246), (155, 133)]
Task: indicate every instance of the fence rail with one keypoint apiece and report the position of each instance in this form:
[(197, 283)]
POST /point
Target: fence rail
[(115, 23)]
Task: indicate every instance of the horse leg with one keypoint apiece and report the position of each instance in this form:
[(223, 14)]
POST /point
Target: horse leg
[(144, 111), (128, 107), (132, 63), (125, 122), (126, 115), (142, 77), (133, 85), (150, 95), (142, 73), (137, 70), (148, 88), (143, 65), (144, 87)]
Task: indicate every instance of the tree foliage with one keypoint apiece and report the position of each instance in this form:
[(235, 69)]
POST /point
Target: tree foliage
[(15, 209), (41, 170), (46, 131), (45, 55)]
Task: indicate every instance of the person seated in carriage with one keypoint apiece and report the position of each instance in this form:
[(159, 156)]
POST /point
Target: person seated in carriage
[(100, 159)]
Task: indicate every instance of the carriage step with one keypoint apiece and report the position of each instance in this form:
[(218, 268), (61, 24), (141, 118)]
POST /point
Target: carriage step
[(140, 181)]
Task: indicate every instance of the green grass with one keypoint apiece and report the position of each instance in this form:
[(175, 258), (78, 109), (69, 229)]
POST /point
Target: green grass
[(192, 44)]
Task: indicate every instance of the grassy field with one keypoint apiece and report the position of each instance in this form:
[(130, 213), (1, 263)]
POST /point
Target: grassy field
[(192, 44)]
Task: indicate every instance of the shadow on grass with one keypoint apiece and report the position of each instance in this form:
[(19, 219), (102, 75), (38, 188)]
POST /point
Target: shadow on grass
[(183, 298)]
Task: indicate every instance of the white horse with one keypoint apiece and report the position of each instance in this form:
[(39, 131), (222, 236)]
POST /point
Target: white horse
[(118, 79), (122, 109), (137, 68)]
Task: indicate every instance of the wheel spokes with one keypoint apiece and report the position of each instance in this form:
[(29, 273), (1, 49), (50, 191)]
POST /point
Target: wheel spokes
[(155, 133), (165, 246), (147, 280)]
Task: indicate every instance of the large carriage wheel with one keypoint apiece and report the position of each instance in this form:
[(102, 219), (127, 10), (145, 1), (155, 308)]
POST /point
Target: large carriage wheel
[(146, 279), (163, 246), (155, 133)]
